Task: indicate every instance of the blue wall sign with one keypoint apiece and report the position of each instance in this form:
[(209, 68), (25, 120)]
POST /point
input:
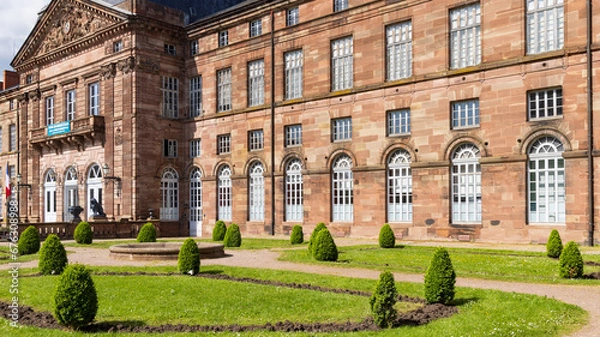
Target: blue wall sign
[(59, 128)]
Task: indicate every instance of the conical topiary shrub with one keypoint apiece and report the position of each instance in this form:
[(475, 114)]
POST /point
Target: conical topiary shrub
[(386, 237), (219, 231), (29, 241), (554, 245), (297, 236), (75, 298), (53, 256), (189, 257), (324, 248), (383, 301), (313, 236), (440, 278), (571, 262), (147, 233), (233, 237), (83, 233)]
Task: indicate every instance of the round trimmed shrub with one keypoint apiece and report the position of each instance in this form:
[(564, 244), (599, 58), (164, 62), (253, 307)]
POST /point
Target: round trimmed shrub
[(29, 241), (189, 257), (571, 262), (83, 233), (297, 236), (313, 237), (75, 299), (219, 231), (324, 247), (233, 237), (440, 278), (383, 300), (386, 237), (147, 233), (53, 256), (554, 245)]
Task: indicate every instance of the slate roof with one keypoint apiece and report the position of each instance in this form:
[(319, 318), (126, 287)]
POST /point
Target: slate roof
[(197, 9)]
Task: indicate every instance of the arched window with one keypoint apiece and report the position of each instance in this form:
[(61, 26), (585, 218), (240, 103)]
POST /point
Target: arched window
[(294, 191), (546, 180), (50, 196), (94, 187), (71, 193), (196, 202), (342, 189), (466, 184), (224, 193), (257, 192), (399, 189), (169, 190)]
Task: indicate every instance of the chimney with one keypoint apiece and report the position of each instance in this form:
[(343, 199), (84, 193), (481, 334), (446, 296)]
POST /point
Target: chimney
[(11, 79)]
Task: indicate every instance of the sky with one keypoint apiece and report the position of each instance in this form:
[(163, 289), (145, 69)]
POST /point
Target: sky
[(17, 18)]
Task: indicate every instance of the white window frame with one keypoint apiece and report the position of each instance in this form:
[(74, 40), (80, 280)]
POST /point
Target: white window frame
[(341, 129), (195, 148), (398, 122), (170, 93), (466, 185), (256, 140), (94, 97), (196, 195), (293, 135), (399, 50), (196, 96), (399, 187), (256, 190), (194, 47), (224, 194), (545, 26), (294, 191), (342, 190), (340, 5), (169, 191), (117, 46), (224, 144), (223, 38), (70, 101), (545, 104), (465, 36), (465, 114), (224, 90), (546, 197), (292, 17), (294, 64), (12, 141), (256, 82), (255, 27), (49, 110), (342, 64), (170, 148)]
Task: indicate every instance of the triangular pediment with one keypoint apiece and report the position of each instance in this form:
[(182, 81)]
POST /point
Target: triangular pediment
[(65, 23)]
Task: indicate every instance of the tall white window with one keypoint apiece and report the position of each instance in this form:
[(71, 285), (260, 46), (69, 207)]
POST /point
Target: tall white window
[(465, 114), (255, 140), (465, 36), (399, 51), (546, 171), (224, 193), (339, 5), (50, 196), (545, 26), (342, 64), (255, 28), (94, 92), (70, 105), (341, 129), (193, 47), (293, 74), (292, 17), (94, 188), (546, 103), (224, 90), (224, 144), (257, 192), (195, 148), (256, 82), (466, 184), (342, 189), (398, 122), (196, 96), (399, 196), (169, 190), (50, 110), (223, 38), (293, 135), (170, 148), (294, 191), (12, 141), (196, 202), (170, 92)]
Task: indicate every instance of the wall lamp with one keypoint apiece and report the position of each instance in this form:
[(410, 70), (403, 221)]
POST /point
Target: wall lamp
[(19, 185), (106, 175)]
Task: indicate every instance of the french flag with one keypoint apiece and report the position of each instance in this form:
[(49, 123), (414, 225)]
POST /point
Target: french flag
[(7, 182)]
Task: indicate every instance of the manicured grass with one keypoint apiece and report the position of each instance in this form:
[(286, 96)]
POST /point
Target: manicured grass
[(188, 299), (6, 256), (503, 265), (247, 243)]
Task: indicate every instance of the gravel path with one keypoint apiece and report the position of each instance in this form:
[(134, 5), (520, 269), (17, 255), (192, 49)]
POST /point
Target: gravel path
[(586, 297)]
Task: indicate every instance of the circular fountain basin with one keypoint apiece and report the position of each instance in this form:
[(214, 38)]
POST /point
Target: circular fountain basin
[(162, 251)]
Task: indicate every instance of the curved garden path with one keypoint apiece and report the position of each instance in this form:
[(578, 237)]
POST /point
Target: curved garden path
[(586, 297)]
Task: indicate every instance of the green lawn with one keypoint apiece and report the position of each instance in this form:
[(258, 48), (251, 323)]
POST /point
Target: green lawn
[(7, 257), (247, 243)]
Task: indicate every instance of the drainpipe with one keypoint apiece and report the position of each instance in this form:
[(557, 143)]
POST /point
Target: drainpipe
[(590, 110), (273, 123)]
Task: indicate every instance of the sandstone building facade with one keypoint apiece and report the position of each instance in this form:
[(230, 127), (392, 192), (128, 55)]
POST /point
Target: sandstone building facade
[(470, 120)]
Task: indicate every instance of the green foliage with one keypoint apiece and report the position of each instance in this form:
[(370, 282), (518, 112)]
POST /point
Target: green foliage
[(219, 231), (324, 247), (386, 237), (147, 233), (554, 245), (83, 233), (313, 237), (189, 257), (233, 237), (53, 256), (571, 262), (383, 301), (75, 299), (29, 241), (297, 236), (440, 278)]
